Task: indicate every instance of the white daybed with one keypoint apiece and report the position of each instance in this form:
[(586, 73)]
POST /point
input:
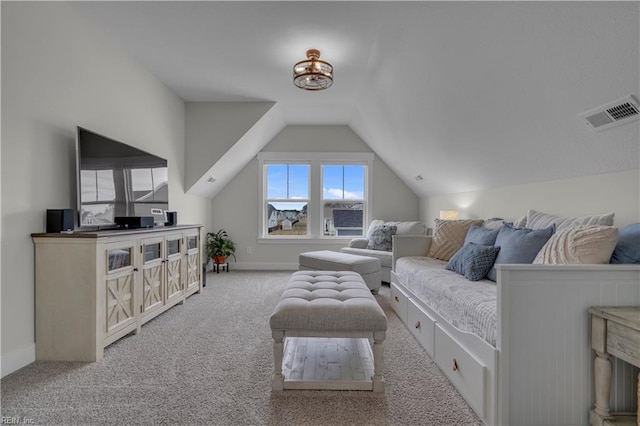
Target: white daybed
[(538, 372)]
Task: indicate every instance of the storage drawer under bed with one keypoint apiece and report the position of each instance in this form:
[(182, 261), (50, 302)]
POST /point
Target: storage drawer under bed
[(422, 326), (466, 372), (399, 302)]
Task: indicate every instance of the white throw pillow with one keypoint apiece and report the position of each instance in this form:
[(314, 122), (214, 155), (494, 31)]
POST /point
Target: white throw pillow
[(583, 244), (539, 220), (402, 227)]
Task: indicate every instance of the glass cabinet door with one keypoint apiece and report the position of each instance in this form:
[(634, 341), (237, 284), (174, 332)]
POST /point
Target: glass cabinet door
[(173, 246), (118, 258), (193, 265), (175, 276), (192, 242), (120, 288), (152, 252), (153, 271)]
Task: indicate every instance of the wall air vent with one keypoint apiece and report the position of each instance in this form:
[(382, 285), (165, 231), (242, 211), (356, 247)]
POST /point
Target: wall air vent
[(615, 113)]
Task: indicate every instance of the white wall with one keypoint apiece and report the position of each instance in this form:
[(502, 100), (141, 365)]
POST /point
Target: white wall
[(58, 72), (236, 208), (212, 129), (616, 192)]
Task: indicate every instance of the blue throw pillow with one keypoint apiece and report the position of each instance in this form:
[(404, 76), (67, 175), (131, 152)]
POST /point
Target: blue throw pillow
[(519, 245), (481, 235), (473, 261), (627, 248)]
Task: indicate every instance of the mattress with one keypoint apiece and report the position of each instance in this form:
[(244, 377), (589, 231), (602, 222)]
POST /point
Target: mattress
[(470, 306)]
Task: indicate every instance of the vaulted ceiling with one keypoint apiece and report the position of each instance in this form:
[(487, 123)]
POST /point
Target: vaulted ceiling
[(468, 95)]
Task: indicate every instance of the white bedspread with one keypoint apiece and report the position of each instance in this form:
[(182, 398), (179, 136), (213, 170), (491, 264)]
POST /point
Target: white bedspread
[(468, 306)]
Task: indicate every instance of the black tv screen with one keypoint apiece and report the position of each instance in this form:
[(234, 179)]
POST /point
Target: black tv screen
[(116, 179)]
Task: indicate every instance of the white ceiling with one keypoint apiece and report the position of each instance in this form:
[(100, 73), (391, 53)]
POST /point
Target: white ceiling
[(470, 95)]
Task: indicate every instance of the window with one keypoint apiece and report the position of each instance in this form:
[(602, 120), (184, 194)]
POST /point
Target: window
[(343, 198), (287, 199), (314, 195)]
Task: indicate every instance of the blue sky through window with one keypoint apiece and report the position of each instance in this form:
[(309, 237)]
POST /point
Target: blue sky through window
[(289, 182), (343, 182)]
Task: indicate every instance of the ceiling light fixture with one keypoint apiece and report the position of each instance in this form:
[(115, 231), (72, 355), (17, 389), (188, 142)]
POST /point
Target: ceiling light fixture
[(313, 73)]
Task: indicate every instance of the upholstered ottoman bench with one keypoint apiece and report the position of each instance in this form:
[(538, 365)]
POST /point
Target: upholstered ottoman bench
[(326, 260), (336, 306)]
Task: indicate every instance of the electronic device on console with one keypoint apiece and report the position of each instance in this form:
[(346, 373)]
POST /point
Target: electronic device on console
[(59, 220), (134, 222)]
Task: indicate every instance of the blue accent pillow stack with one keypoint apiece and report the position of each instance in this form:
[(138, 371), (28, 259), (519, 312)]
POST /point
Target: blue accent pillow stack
[(485, 247), (477, 255), (481, 235), (519, 245), (473, 260)]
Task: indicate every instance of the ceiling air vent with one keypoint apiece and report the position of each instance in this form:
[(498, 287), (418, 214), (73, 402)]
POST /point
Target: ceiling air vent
[(619, 112)]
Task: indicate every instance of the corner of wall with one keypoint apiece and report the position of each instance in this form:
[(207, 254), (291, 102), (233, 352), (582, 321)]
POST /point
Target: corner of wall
[(15, 360)]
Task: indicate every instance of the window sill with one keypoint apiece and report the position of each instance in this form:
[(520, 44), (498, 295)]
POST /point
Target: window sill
[(304, 240)]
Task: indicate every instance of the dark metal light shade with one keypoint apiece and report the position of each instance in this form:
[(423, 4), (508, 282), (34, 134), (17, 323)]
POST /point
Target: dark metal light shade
[(313, 73)]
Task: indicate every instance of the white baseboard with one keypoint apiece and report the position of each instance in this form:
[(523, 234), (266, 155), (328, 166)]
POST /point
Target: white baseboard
[(263, 266), (15, 360)]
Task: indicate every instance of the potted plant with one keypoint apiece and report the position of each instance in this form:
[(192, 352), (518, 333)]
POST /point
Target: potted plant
[(220, 247)]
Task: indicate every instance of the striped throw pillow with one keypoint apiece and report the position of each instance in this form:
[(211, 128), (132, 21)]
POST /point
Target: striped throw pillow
[(539, 220)]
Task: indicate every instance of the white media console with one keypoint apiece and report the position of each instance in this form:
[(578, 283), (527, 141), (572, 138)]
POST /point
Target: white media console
[(92, 288)]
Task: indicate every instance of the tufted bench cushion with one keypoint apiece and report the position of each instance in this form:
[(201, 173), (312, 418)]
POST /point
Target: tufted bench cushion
[(328, 304), (328, 301)]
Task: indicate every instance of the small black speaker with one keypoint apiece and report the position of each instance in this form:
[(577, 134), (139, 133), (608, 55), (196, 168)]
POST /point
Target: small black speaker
[(59, 220), (172, 219)]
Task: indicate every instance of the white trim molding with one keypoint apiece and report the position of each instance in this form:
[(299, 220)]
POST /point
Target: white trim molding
[(315, 160), (264, 266)]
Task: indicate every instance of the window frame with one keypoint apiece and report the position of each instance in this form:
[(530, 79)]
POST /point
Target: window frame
[(315, 205)]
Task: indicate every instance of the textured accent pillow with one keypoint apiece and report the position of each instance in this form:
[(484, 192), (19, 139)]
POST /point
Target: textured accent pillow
[(481, 235), (373, 225), (473, 261), (381, 238), (627, 248), (579, 244), (448, 237), (539, 220), (521, 222), (519, 245)]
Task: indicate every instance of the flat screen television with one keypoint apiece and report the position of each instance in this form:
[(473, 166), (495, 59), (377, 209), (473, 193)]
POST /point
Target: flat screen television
[(115, 179)]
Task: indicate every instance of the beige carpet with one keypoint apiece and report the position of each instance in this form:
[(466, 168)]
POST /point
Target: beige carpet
[(209, 362)]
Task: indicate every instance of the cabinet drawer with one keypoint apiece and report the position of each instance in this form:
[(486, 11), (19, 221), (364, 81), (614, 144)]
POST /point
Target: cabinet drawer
[(399, 302), (422, 326), (466, 373), (623, 343)]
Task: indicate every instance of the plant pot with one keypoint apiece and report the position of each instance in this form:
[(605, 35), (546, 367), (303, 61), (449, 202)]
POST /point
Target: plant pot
[(219, 260)]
